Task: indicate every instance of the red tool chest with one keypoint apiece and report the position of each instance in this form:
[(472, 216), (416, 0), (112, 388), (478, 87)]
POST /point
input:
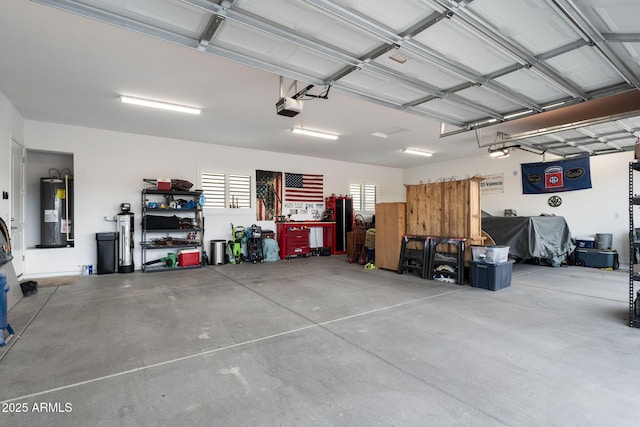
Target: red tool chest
[(297, 241)]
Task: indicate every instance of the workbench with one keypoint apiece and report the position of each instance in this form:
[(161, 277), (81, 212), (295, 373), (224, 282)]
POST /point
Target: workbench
[(286, 235)]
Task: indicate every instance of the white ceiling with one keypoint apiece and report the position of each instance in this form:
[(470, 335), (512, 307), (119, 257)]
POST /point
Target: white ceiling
[(399, 68)]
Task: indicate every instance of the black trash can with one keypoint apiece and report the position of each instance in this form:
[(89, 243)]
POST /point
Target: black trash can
[(107, 252)]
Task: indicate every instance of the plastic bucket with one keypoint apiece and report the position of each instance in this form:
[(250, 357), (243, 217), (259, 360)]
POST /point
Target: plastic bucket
[(604, 241), (218, 248)]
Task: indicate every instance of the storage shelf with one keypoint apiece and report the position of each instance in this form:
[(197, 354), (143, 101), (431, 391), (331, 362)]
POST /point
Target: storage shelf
[(634, 247), (453, 259), (172, 210), (171, 192), (185, 246), (173, 230), (443, 259), (194, 241), (156, 268)]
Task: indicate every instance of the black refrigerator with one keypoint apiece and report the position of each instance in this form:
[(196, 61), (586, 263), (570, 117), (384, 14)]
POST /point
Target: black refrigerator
[(344, 222)]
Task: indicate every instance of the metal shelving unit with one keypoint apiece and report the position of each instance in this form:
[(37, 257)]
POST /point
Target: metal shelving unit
[(634, 247), (151, 238)]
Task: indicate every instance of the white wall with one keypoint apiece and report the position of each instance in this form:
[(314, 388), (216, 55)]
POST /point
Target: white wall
[(601, 209), (11, 126), (109, 168)]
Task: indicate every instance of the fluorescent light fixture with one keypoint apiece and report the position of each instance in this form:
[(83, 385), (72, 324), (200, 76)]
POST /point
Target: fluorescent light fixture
[(485, 122), (159, 104), (550, 106), (417, 152), (315, 133), (521, 113)]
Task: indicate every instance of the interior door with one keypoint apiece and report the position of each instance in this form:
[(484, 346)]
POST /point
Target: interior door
[(17, 197)]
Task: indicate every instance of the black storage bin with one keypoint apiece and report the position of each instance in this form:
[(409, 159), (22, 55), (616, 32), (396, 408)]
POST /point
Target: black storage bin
[(598, 258), (159, 222), (106, 252), (324, 251), (29, 287), (491, 276)]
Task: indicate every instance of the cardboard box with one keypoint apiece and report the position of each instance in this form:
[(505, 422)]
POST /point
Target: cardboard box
[(370, 238), (188, 257)]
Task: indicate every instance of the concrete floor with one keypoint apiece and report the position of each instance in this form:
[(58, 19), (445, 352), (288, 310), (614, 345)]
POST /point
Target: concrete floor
[(321, 342)]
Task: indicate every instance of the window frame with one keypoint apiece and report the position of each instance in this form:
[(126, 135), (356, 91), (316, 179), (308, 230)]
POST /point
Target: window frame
[(228, 175), (360, 196)]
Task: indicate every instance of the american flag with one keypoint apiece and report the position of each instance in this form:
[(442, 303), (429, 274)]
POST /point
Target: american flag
[(268, 195), (303, 188)]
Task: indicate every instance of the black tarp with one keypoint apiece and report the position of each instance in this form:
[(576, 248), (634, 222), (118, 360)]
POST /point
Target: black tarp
[(546, 238)]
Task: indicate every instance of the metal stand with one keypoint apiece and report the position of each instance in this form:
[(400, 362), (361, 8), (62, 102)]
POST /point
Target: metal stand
[(447, 264), (414, 257)]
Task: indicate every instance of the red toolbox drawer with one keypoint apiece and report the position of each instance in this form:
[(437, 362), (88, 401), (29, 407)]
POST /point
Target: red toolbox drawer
[(298, 250), (298, 242), (298, 235)]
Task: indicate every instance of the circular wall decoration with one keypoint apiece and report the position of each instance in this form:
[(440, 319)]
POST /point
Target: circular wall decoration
[(554, 201)]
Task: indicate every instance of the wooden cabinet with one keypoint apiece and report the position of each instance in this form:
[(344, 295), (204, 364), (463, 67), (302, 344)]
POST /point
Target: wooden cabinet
[(390, 227)]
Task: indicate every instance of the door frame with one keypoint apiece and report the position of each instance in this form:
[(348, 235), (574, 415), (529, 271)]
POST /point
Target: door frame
[(18, 194)]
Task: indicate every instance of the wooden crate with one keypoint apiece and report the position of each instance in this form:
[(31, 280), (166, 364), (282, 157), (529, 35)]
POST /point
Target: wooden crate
[(390, 227), (446, 209), (450, 209)]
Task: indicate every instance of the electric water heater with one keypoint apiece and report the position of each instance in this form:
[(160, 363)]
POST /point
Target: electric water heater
[(56, 212)]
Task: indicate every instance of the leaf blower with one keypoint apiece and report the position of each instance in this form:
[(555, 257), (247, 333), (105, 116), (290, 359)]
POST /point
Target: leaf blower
[(171, 260)]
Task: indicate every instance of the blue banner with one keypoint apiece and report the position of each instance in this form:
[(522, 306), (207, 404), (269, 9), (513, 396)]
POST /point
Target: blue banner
[(556, 176)]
